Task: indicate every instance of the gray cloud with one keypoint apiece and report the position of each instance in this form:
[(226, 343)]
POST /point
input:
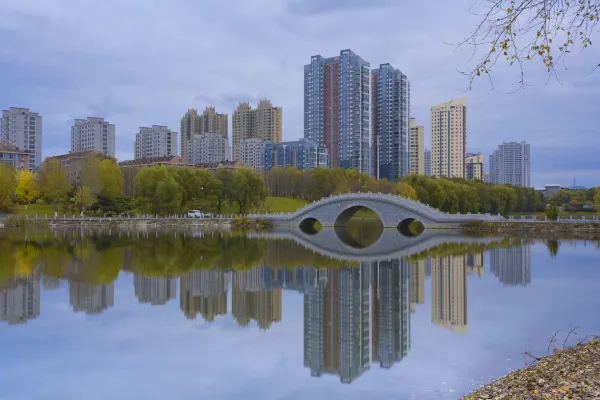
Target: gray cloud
[(312, 7)]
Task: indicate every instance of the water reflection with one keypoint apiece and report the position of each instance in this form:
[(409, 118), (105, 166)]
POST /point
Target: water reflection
[(355, 314)]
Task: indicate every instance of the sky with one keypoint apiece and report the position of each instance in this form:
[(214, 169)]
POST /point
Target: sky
[(145, 62)]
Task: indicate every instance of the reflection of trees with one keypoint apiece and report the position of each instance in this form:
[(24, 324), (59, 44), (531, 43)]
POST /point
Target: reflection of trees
[(553, 246), (457, 249)]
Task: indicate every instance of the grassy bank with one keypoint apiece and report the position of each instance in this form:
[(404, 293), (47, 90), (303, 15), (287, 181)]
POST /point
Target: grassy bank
[(571, 373), (39, 209)]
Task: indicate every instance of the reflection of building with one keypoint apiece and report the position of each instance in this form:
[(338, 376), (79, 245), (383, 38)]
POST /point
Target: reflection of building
[(391, 312), (91, 299), (417, 284), (154, 289), (50, 282), (449, 292), (250, 300), (301, 279), (337, 323), (205, 293), (475, 264), (20, 300), (512, 265)]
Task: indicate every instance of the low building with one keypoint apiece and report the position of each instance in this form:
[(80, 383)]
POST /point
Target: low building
[(72, 164), (302, 154), (474, 168), (167, 161), (549, 189), (213, 167), (14, 157)]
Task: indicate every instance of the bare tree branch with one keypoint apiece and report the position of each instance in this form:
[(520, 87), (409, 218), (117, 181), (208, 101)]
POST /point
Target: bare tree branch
[(520, 31)]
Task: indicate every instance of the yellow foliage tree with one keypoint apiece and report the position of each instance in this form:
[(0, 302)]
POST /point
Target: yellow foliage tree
[(27, 187), (403, 189)]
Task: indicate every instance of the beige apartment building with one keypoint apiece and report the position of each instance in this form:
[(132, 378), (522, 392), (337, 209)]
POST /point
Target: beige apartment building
[(449, 292), (416, 148), (474, 168), (210, 121), (449, 138), (263, 122)]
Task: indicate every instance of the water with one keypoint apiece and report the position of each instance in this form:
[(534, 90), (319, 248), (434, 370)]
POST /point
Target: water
[(92, 314)]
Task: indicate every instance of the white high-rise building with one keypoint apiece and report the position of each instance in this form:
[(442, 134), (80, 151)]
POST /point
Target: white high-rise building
[(207, 148), (249, 151), (449, 139), (156, 141), (93, 133), (23, 129), (511, 164), (20, 302)]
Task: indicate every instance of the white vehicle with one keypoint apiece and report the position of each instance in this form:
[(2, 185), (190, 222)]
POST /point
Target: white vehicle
[(195, 214)]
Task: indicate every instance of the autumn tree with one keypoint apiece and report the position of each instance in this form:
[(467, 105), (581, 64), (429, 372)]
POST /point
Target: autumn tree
[(54, 183), (520, 32), (111, 178), (597, 200), (403, 189), (8, 185), (83, 198), (27, 189)]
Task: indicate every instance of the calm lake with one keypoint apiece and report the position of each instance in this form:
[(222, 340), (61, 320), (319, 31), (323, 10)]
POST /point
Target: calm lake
[(354, 314)]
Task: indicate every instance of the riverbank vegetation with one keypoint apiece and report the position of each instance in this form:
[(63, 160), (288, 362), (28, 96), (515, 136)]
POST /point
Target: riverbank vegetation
[(103, 188), (568, 373)]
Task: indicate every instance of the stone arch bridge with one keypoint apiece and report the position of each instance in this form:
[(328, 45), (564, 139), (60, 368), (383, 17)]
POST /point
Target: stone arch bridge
[(393, 211)]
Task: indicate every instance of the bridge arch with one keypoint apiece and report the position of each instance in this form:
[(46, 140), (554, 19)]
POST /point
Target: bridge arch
[(346, 215)]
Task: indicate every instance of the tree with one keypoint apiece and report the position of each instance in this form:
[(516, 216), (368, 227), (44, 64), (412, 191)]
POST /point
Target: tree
[(159, 190), (522, 31), (553, 245), (8, 185), (54, 183), (90, 174), (597, 199), (551, 212), (83, 198), (27, 189), (249, 189), (403, 189), (111, 178), (227, 192)]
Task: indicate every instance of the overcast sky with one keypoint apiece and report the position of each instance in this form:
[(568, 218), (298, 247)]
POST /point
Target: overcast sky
[(144, 62)]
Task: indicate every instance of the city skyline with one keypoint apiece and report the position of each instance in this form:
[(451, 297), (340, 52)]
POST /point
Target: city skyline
[(133, 88)]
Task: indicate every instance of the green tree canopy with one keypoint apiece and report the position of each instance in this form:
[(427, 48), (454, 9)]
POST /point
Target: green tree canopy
[(54, 183), (8, 185)]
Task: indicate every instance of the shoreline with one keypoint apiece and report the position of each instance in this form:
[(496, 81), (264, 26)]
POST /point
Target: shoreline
[(565, 230), (572, 372)]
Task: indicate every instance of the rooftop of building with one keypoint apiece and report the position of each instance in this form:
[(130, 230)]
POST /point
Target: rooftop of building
[(77, 155), (149, 160), (5, 146)]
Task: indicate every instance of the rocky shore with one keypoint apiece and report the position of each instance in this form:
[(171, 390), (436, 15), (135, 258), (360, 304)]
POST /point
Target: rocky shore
[(571, 373), (590, 230)]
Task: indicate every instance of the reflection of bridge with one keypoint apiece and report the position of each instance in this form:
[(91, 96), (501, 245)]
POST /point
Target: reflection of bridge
[(391, 245), (392, 211)]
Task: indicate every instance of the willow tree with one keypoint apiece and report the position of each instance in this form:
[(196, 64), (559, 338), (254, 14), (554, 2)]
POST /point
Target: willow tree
[(520, 32)]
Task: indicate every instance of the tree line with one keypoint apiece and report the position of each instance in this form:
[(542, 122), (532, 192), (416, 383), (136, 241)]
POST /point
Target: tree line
[(102, 187)]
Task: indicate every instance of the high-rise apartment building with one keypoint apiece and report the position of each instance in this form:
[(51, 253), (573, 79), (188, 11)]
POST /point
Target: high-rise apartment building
[(427, 157), (416, 148), (155, 141), (204, 293), (449, 139), (301, 154), (391, 127), (210, 121), (23, 129), (474, 168), (263, 122), (93, 133), (250, 151), (207, 148), (510, 164), (337, 109)]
